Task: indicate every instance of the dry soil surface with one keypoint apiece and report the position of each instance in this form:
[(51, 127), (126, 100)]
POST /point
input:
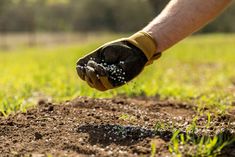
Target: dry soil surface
[(103, 127)]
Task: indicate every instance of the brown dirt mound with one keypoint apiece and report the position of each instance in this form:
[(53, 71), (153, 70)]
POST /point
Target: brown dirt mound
[(99, 127)]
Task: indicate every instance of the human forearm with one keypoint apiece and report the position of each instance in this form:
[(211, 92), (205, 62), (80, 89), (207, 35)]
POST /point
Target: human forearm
[(181, 18), (118, 62)]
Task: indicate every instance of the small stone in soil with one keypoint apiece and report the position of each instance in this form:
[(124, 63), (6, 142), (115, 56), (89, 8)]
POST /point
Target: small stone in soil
[(37, 136)]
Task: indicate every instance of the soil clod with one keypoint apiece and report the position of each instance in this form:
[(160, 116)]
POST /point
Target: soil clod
[(37, 136)]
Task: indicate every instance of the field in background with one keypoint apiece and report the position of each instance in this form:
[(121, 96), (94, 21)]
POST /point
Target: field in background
[(193, 83), (11, 41), (200, 68)]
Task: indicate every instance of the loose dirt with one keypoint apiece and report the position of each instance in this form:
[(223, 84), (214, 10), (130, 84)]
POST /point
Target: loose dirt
[(103, 127)]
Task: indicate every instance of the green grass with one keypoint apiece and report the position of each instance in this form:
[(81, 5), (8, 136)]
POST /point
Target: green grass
[(200, 70), (186, 144)]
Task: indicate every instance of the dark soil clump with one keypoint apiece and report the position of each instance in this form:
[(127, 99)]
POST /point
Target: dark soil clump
[(99, 127)]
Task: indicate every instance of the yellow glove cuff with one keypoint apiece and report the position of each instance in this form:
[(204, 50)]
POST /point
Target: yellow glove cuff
[(146, 44)]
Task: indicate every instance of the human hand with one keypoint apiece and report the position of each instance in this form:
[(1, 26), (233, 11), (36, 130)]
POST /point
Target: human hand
[(118, 62)]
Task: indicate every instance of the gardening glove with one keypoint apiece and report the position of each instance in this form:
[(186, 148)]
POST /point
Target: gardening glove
[(117, 62)]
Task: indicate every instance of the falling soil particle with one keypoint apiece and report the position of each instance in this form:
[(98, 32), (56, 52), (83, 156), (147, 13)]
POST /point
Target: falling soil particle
[(85, 127)]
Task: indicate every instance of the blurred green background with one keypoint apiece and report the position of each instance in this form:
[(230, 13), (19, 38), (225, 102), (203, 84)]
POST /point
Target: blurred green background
[(47, 22), (90, 15)]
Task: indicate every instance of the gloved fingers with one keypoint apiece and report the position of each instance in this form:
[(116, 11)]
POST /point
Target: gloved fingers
[(110, 75), (81, 71), (96, 73), (89, 82), (82, 61), (105, 81), (94, 55), (101, 75), (100, 70), (94, 77)]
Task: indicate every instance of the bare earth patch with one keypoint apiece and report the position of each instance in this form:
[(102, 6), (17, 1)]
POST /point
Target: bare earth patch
[(102, 127)]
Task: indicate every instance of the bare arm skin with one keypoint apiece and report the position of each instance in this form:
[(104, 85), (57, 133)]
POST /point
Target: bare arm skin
[(181, 18)]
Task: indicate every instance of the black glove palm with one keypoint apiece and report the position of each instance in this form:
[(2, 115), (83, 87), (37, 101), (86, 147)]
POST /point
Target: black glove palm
[(118, 62), (112, 65)]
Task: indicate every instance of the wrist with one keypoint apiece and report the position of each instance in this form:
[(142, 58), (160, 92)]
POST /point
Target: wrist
[(146, 43), (157, 37)]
